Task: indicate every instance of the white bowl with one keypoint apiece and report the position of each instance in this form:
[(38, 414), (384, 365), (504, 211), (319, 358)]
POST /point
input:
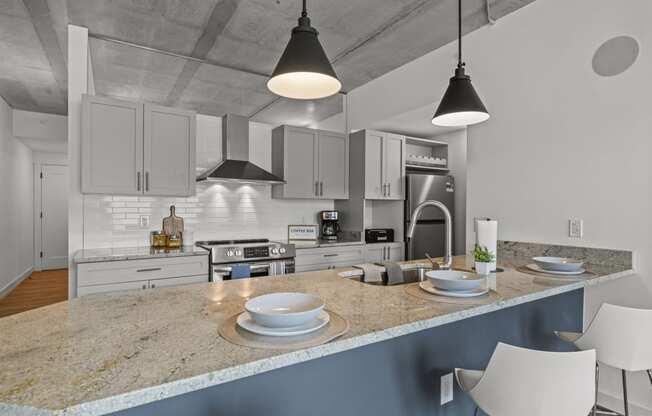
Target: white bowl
[(285, 309), (455, 280), (559, 264)]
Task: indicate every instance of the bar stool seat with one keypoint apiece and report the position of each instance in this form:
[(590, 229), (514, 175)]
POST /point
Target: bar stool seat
[(622, 339), (519, 381)]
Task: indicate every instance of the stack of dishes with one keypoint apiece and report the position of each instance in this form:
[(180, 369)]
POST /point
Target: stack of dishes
[(284, 314), (455, 283), (563, 266)]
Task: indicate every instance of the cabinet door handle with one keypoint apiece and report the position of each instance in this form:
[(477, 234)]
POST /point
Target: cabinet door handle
[(138, 181), (317, 188), (385, 253), (146, 181), (331, 255), (321, 188), (389, 189), (152, 269)]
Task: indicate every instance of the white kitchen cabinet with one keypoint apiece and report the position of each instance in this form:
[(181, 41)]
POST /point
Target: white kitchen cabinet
[(380, 252), (169, 151), (112, 146), (313, 163), (130, 148), (323, 258), (383, 157), (110, 276)]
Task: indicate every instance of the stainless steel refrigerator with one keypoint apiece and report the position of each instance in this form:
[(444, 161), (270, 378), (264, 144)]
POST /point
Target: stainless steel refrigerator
[(429, 232)]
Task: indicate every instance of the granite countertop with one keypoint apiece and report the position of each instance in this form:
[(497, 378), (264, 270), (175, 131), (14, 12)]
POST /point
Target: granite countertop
[(103, 353), (134, 253), (301, 244)]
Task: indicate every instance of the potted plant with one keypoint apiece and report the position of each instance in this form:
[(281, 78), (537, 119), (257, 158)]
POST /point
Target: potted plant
[(484, 260)]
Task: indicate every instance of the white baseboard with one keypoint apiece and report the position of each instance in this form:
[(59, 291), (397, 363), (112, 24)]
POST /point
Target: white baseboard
[(15, 282), (616, 404)]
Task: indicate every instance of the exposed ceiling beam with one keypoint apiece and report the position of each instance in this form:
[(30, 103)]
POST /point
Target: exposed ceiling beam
[(176, 55), (43, 25), (219, 18)]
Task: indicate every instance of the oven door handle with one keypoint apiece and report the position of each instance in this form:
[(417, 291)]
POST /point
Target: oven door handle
[(229, 269)]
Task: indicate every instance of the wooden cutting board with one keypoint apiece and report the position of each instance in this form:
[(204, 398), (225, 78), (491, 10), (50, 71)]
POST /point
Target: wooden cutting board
[(172, 225)]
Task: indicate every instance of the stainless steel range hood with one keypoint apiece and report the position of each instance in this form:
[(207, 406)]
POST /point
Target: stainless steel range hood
[(235, 166)]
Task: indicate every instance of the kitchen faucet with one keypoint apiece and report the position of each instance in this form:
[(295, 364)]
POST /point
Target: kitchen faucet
[(448, 222)]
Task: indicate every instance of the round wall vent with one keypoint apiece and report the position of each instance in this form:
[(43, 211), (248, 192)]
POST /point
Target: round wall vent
[(615, 55)]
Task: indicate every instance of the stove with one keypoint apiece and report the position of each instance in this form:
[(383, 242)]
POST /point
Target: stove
[(263, 257)]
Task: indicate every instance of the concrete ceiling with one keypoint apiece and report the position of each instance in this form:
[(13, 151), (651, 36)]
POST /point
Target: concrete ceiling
[(364, 38)]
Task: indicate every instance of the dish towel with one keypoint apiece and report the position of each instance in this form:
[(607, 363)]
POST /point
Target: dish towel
[(372, 273), (240, 271)]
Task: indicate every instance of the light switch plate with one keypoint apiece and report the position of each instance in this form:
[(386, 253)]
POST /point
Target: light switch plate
[(446, 394), (575, 228)]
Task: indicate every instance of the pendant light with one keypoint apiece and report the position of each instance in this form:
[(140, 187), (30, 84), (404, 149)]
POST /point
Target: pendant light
[(460, 105), (304, 71)]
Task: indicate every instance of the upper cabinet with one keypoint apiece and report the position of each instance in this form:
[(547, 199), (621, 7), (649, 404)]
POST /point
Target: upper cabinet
[(313, 163), (383, 157), (131, 148)]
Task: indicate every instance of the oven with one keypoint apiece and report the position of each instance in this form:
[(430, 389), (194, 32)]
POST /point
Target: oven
[(276, 267)]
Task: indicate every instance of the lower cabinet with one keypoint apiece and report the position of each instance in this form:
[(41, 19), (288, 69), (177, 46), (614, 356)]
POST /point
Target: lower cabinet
[(380, 252), (112, 276), (323, 258)]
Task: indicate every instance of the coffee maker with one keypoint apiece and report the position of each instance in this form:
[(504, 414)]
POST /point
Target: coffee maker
[(329, 224)]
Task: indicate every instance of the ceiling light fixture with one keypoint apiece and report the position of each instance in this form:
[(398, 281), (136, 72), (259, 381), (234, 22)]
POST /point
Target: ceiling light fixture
[(304, 71), (461, 105)]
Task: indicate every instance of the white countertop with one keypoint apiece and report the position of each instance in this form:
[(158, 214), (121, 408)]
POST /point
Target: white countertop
[(103, 353)]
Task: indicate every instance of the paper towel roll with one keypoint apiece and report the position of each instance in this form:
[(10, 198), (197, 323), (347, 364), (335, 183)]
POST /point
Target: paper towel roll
[(486, 235)]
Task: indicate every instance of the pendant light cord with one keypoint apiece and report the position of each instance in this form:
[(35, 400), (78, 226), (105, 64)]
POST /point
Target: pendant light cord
[(459, 34), (304, 12)]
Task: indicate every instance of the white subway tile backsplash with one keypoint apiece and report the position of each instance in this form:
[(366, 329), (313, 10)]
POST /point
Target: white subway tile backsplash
[(218, 211)]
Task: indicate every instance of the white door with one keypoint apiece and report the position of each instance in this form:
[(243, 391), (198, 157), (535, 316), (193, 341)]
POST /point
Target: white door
[(394, 165), (300, 163), (54, 217), (375, 253), (169, 151), (333, 165), (395, 252), (112, 146), (373, 166)]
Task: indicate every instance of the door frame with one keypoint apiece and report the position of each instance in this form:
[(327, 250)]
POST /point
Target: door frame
[(38, 242)]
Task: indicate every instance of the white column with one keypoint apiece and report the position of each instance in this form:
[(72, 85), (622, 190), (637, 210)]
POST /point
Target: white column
[(78, 84)]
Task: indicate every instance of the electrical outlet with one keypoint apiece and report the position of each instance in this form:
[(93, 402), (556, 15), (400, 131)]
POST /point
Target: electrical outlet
[(575, 228), (446, 394), (143, 221)]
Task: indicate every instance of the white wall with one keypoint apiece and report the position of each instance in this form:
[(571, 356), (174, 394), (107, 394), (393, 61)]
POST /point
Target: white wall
[(40, 131), (16, 205), (562, 142)]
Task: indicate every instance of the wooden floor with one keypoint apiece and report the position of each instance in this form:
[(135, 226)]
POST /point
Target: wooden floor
[(40, 289)]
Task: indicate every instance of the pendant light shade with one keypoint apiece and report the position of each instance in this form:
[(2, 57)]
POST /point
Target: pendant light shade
[(304, 71), (461, 105)]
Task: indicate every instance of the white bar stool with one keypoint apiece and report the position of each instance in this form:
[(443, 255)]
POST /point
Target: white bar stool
[(622, 338), (520, 381)]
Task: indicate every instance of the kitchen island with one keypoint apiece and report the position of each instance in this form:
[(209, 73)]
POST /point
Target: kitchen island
[(158, 352)]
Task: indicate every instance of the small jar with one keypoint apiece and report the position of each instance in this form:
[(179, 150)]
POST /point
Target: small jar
[(174, 241), (158, 239)]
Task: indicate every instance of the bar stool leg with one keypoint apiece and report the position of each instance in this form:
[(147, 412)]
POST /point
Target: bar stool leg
[(597, 381), (625, 393)]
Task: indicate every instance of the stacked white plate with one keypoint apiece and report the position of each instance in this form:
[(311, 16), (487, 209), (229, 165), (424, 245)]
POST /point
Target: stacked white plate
[(563, 266), (455, 283), (284, 314)]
